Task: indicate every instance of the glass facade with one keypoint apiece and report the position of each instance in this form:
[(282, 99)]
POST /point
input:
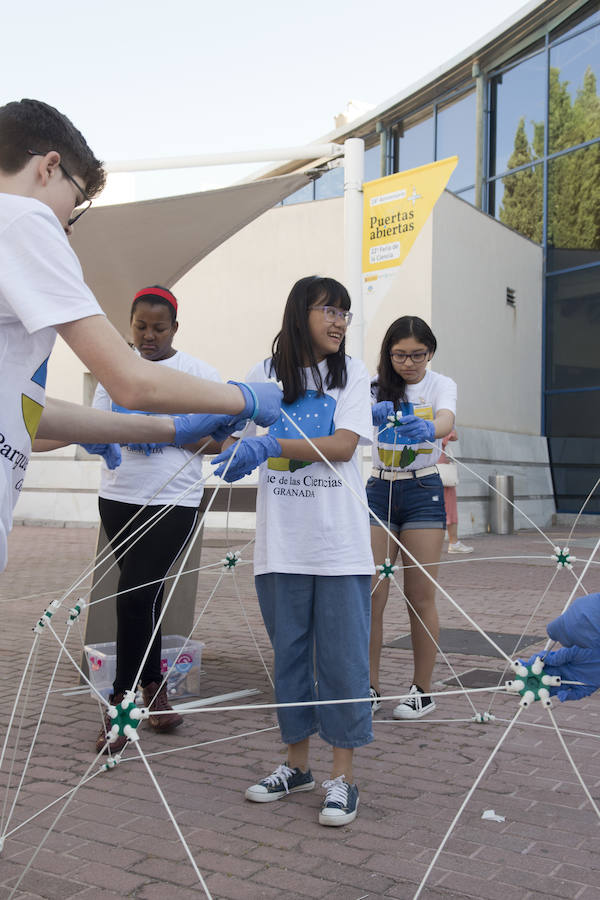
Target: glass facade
[(544, 181)]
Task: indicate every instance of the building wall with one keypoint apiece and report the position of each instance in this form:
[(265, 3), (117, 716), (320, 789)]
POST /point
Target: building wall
[(492, 350)]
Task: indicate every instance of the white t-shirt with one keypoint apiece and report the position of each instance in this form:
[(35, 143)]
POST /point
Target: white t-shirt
[(432, 393), (307, 519), (139, 477), (41, 286)]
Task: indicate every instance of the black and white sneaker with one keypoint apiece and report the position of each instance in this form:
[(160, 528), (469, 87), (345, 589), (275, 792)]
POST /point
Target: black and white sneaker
[(416, 705), (375, 699), (341, 802), (283, 781)]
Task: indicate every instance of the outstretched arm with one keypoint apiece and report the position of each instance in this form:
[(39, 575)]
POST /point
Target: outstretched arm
[(65, 423), (136, 383)]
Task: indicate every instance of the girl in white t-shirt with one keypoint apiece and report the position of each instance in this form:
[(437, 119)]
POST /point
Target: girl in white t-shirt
[(313, 562), (145, 557), (406, 493)]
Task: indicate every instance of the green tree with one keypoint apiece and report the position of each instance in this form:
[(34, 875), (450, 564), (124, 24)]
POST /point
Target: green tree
[(574, 179), (521, 206)]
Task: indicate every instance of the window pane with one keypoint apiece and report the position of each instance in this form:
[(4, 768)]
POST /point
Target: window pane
[(456, 137), (331, 184), (516, 200), (574, 100), (574, 415), (416, 146), (574, 208), (575, 465), (302, 195), (468, 195), (518, 101), (575, 23), (373, 163), (573, 331)]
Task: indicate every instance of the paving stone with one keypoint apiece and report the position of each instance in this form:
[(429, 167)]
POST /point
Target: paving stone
[(114, 838)]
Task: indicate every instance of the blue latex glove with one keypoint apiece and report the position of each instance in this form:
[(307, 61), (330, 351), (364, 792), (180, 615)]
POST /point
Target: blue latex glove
[(191, 428), (579, 624), (111, 453), (263, 401), (573, 664), (417, 429), (250, 453), (380, 412)]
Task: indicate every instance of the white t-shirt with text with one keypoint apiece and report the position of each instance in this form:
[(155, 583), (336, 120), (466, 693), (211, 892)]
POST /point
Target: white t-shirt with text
[(308, 521), (41, 286), (428, 396), (140, 477)]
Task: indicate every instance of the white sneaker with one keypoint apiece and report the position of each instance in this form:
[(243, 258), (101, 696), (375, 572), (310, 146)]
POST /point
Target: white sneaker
[(416, 705), (459, 547)]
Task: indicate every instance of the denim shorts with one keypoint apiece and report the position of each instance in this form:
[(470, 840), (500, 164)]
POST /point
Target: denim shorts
[(415, 502), (319, 625)]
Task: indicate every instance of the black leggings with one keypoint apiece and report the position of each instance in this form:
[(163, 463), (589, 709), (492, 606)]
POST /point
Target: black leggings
[(146, 560)]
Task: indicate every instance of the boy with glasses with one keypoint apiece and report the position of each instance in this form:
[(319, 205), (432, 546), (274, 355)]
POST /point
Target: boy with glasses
[(47, 171)]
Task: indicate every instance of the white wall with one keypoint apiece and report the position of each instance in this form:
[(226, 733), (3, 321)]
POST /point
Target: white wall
[(492, 351)]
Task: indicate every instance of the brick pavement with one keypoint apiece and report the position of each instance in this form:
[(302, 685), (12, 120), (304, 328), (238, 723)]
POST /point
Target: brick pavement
[(115, 840)]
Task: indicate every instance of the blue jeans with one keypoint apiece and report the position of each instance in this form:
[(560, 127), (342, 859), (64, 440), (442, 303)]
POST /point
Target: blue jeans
[(416, 502), (319, 628)]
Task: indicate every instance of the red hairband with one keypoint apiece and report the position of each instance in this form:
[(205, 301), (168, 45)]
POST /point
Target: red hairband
[(156, 292)]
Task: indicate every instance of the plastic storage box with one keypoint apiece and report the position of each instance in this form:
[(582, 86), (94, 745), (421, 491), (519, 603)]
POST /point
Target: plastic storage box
[(184, 662)]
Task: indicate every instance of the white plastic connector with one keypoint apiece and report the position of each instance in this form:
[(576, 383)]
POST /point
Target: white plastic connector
[(537, 666)]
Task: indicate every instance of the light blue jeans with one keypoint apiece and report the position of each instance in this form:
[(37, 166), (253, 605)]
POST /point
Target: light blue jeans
[(319, 628)]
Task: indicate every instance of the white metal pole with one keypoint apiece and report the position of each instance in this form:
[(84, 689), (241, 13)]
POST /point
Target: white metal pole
[(309, 151), (354, 170)]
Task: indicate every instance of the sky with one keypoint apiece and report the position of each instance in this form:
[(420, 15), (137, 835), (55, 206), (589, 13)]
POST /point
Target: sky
[(180, 77)]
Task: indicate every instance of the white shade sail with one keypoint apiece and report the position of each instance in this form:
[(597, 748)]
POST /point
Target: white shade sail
[(125, 247)]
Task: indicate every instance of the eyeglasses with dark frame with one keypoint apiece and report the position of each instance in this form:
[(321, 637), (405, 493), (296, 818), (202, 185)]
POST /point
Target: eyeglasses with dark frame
[(333, 314), (418, 356), (87, 200)]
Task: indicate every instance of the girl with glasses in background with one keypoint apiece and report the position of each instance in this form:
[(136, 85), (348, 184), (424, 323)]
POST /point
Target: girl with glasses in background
[(312, 559), (406, 493)]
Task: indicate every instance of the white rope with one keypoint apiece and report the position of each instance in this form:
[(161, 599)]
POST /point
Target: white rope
[(365, 505), (465, 801), (572, 761), (173, 821)]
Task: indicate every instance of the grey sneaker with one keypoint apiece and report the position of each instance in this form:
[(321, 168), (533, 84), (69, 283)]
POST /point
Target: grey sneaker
[(283, 781), (459, 547), (416, 705), (341, 802)]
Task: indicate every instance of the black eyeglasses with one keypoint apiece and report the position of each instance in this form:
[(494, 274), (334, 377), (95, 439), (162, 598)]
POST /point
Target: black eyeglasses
[(86, 200), (417, 357)]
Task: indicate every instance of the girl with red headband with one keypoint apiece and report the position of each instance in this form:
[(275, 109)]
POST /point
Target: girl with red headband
[(124, 491)]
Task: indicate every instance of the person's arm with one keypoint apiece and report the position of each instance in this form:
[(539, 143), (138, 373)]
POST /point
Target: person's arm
[(337, 447), (443, 423), (136, 383), (207, 445), (64, 423)]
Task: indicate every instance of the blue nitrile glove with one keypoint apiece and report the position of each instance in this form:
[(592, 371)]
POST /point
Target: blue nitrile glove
[(579, 624), (250, 453), (417, 429), (263, 401), (191, 428), (380, 412), (111, 453), (573, 664)]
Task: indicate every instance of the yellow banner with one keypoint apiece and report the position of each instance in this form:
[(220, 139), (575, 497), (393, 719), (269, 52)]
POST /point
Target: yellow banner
[(395, 210)]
